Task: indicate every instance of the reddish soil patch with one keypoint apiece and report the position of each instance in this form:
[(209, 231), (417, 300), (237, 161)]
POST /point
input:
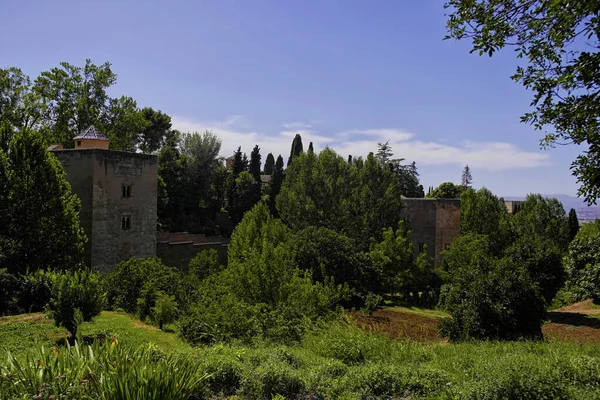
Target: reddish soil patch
[(576, 323), (399, 325)]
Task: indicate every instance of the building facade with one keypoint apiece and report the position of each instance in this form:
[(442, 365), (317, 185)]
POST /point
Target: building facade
[(435, 223), (118, 193)]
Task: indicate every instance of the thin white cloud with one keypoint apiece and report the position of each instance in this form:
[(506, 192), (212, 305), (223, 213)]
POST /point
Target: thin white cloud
[(491, 156), (297, 125), (383, 134)]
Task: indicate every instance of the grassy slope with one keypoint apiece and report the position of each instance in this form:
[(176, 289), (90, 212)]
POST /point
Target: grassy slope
[(21, 332), (344, 362)]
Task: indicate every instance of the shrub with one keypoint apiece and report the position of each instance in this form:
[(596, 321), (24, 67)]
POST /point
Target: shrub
[(76, 297), (272, 378), (348, 344), (488, 298), (262, 292), (583, 263), (35, 293), (496, 300), (205, 264), (134, 284), (164, 310)]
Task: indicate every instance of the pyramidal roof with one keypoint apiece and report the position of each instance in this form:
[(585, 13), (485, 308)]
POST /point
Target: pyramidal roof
[(91, 133)]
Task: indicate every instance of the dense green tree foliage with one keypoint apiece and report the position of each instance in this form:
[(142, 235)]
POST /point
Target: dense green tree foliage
[(324, 190), (446, 190), (39, 215), (158, 128), (482, 213), (557, 42), (544, 218), (489, 298), (583, 261), (204, 264), (328, 254), (398, 269), (262, 292)]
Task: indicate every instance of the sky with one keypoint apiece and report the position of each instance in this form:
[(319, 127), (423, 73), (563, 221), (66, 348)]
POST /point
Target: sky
[(347, 74)]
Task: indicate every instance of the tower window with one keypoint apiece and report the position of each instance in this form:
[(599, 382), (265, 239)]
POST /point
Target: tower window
[(126, 222), (421, 247), (127, 190)]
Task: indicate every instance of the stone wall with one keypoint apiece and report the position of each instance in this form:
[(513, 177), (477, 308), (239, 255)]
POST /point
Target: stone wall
[(179, 254), (99, 176), (434, 223)]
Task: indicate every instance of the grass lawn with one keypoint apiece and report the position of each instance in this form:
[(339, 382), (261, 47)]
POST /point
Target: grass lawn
[(20, 333)]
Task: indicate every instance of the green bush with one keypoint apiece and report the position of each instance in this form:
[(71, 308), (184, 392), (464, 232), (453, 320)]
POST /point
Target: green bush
[(272, 378), (583, 263), (224, 368), (204, 264), (164, 310), (348, 344), (134, 285), (35, 293), (488, 298), (76, 296), (262, 293)]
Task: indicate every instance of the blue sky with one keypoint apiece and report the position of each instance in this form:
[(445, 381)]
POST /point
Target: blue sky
[(346, 74)]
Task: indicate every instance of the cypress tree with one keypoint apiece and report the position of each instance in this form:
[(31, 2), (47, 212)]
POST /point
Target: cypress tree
[(276, 181), (296, 148), (254, 167), (269, 163), (311, 148), (573, 224)]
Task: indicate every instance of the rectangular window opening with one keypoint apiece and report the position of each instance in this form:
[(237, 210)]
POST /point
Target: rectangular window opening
[(125, 222), (421, 247)]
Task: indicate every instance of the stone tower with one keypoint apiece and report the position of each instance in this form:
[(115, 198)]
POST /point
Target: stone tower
[(118, 192), (435, 223)]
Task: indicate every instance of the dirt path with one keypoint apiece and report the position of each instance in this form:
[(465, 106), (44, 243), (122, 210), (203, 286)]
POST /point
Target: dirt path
[(577, 323)]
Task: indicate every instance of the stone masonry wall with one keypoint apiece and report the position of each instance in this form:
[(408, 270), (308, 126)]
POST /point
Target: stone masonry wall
[(105, 205), (434, 223)]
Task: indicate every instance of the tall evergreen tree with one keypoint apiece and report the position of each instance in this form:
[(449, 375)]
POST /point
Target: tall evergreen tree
[(269, 164), (296, 148), (254, 167), (466, 179), (350, 159), (276, 181), (39, 215), (573, 224), (237, 167), (311, 148)]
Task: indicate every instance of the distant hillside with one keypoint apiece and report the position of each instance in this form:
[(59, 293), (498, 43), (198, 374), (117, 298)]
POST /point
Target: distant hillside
[(584, 212)]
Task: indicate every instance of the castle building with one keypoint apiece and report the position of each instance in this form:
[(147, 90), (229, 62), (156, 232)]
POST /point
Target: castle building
[(118, 193), (435, 223)]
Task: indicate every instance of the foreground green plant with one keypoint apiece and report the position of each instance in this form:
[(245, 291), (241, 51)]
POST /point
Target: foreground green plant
[(104, 371)]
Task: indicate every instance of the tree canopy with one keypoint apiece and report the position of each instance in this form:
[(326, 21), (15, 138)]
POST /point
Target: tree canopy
[(558, 41), (39, 215)]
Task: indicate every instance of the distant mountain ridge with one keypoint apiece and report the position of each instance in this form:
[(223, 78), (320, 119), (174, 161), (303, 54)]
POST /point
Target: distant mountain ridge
[(584, 212)]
